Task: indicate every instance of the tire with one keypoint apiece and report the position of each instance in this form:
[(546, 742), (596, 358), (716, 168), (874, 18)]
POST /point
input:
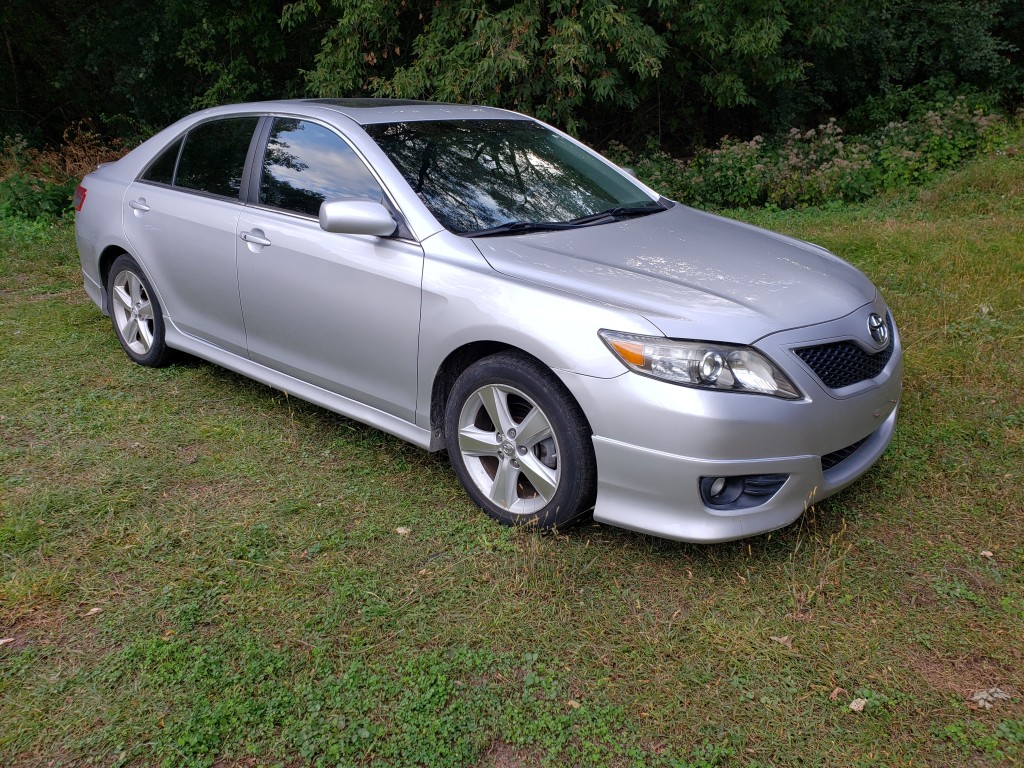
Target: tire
[(136, 314), (519, 443)]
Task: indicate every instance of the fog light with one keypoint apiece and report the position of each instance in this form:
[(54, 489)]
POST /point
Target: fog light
[(717, 486), (741, 491), (721, 492)]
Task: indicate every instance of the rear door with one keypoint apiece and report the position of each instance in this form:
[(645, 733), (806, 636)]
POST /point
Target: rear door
[(339, 311), (180, 217)]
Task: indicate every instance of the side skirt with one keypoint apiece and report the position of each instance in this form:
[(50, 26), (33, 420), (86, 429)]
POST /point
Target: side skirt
[(298, 388)]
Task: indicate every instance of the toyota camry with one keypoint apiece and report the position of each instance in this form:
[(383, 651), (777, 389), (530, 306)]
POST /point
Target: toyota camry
[(472, 280)]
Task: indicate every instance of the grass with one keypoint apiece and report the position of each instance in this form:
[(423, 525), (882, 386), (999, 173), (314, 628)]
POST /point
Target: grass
[(196, 570)]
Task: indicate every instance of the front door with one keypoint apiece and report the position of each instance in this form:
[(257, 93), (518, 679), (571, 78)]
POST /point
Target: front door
[(339, 311)]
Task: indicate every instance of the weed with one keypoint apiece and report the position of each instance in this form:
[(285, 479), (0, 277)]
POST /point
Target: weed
[(1003, 742)]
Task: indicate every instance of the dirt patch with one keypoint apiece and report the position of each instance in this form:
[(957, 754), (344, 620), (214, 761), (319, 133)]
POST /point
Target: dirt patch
[(503, 755), (962, 676), (53, 626)]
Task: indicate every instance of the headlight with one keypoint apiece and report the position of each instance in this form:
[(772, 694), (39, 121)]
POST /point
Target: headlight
[(700, 364)]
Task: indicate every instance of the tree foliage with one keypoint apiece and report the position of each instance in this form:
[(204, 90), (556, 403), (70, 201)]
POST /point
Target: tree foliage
[(682, 71), (903, 44), (575, 63), (131, 67)]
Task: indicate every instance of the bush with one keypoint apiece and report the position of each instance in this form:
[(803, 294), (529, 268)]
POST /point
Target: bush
[(25, 196), (656, 167), (819, 165), (943, 137), (39, 184), (823, 164), (734, 175)]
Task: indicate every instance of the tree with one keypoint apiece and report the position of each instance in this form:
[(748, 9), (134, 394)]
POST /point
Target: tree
[(133, 67), (903, 44), (683, 71), (576, 63)]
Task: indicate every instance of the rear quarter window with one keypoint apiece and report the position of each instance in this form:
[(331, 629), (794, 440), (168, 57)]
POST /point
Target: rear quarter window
[(161, 171)]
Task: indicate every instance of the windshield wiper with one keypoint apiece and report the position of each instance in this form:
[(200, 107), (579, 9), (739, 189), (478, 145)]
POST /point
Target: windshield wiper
[(616, 213), (519, 226), (619, 212)]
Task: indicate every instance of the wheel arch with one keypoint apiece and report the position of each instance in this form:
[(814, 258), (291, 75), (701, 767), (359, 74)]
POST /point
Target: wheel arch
[(106, 261), (452, 367)]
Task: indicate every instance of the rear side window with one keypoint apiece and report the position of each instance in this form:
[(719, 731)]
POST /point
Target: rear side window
[(213, 158), (305, 164)]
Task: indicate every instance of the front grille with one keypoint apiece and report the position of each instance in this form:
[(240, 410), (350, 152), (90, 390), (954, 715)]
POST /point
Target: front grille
[(843, 363), (830, 460)]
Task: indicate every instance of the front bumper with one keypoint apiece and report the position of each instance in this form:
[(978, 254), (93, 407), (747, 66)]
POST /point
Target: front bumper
[(659, 493), (654, 441)]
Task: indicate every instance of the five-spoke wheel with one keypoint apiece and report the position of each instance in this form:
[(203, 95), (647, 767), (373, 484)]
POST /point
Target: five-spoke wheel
[(135, 312), (519, 443)]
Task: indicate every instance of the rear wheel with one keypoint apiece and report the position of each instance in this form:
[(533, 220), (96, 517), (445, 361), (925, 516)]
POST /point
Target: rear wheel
[(519, 443), (136, 314)]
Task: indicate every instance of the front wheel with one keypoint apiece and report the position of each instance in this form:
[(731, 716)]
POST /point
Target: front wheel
[(519, 443), (136, 314)]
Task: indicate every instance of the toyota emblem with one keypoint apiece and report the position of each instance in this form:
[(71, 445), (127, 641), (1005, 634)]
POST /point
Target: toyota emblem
[(878, 329)]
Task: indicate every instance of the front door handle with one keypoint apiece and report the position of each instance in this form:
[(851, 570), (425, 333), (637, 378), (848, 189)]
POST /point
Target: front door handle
[(255, 237)]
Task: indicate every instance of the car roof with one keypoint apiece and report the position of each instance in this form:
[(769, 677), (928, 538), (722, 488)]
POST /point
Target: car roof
[(367, 111)]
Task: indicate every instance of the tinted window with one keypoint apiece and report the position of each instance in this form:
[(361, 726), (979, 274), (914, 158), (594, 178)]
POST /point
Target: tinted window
[(214, 156), (305, 164), (475, 174), (162, 169)]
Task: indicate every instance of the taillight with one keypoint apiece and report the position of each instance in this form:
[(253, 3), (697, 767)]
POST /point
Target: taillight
[(79, 197)]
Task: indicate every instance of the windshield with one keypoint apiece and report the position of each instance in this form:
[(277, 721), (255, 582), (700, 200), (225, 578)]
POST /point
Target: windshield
[(490, 176)]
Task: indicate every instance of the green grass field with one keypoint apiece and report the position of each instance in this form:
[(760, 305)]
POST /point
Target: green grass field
[(196, 570)]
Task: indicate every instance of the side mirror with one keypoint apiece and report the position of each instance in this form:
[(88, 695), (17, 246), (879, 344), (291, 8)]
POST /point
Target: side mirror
[(356, 217)]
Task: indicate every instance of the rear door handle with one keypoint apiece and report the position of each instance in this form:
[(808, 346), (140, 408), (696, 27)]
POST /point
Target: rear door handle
[(138, 205), (254, 238)]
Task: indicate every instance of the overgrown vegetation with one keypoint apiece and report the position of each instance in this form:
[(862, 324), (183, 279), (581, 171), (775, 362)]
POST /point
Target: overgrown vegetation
[(196, 570), (39, 184), (803, 168), (897, 89), (684, 73), (825, 165)]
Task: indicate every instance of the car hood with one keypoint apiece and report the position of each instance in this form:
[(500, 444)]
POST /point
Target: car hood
[(692, 274)]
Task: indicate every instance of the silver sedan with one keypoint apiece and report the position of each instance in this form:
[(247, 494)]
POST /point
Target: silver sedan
[(470, 279)]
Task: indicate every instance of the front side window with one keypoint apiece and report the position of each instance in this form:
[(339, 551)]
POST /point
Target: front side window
[(213, 158), (475, 175), (306, 164)]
